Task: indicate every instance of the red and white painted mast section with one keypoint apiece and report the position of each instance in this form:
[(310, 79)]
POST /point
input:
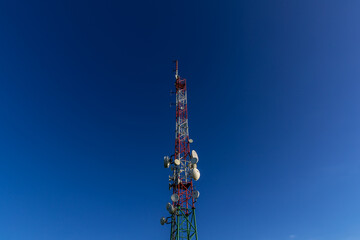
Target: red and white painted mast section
[(182, 146)]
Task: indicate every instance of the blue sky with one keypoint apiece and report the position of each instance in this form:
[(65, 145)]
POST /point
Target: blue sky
[(273, 109)]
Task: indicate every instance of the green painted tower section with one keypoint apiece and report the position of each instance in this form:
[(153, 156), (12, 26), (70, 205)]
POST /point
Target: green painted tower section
[(183, 226)]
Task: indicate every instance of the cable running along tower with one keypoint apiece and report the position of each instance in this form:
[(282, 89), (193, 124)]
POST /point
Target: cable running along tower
[(183, 166)]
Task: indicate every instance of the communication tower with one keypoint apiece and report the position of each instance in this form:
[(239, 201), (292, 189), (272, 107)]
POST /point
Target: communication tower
[(183, 166)]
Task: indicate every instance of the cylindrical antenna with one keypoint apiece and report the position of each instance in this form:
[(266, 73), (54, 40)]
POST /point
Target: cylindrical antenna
[(176, 69)]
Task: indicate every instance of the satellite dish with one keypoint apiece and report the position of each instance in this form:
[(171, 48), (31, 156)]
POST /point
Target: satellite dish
[(174, 197), (194, 157), (195, 174), (195, 194), (177, 162), (166, 162), (191, 141), (170, 208), (163, 221)]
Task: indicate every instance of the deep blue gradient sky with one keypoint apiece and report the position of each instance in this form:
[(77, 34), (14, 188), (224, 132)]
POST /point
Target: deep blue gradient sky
[(274, 96)]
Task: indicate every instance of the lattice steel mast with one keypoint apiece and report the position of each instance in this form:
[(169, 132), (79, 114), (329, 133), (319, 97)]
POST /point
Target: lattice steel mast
[(184, 169)]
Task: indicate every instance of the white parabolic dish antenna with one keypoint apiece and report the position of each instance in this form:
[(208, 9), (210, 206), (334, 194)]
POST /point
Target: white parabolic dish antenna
[(195, 194), (195, 174), (166, 161), (162, 220), (174, 197), (194, 157), (170, 208)]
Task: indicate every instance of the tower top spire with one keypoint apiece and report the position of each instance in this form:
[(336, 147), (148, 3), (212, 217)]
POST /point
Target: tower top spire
[(176, 69)]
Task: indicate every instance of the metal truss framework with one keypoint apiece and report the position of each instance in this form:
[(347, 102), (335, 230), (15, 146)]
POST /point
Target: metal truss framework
[(183, 221)]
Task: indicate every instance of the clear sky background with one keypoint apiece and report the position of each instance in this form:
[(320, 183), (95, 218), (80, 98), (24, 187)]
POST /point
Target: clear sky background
[(274, 112)]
